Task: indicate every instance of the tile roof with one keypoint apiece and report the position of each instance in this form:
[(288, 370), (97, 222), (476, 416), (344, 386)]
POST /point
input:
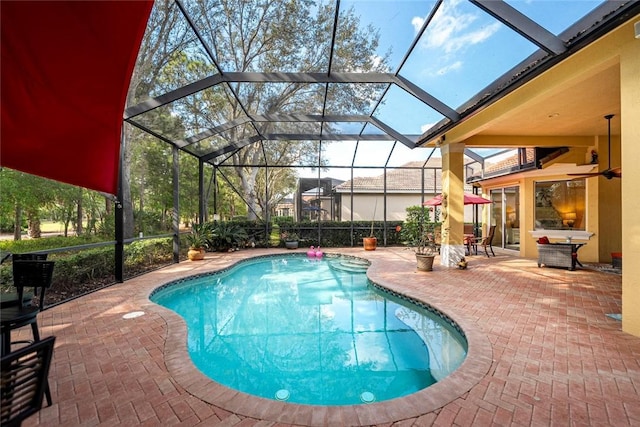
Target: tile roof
[(509, 163), (404, 179)]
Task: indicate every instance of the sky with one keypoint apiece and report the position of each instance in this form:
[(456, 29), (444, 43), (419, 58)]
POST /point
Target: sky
[(462, 51)]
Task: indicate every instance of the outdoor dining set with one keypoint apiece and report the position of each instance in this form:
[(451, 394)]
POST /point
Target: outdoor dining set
[(25, 364)]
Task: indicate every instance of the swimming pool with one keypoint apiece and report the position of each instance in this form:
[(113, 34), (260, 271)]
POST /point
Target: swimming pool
[(310, 331)]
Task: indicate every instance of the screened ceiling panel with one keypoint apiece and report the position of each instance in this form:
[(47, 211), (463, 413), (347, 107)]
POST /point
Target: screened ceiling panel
[(373, 153), (281, 97), (207, 145), (341, 153), (347, 127), (405, 113), (353, 98), (381, 74), (304, 34), (191, 115), (392, 20), (566, 12), (462, 51), (302, 128), (402, 155), (155, 122), (191, 60)]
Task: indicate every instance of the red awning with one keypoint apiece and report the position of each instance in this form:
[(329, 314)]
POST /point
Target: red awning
[(66, 68), (469, 199)]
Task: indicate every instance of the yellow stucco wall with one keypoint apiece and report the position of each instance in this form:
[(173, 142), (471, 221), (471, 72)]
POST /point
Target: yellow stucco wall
[(609, 203), (613, 206), (630, 115)]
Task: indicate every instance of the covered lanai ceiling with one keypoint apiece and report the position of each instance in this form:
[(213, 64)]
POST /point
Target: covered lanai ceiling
[(434, 64)]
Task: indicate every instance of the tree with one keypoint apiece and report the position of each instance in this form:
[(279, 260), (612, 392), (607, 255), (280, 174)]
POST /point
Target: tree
[(167, 35), (274, 36), (26, 194), (269, 35)]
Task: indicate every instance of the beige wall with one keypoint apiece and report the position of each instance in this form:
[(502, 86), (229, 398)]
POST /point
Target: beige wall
[(396, 206)]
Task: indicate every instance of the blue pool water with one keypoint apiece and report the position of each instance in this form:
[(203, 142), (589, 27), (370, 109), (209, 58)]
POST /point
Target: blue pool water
[(310, 331)]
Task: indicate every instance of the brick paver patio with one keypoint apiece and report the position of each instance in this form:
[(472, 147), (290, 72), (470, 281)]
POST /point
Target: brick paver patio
[(542, 352)]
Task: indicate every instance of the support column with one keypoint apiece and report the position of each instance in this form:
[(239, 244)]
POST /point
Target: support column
[(452, 249), (630, 136), (176, 205)]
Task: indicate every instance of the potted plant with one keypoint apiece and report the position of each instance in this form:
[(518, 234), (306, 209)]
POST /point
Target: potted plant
[(370, 243), (418, 233), (290, 239), (197, 241), (425, 250)]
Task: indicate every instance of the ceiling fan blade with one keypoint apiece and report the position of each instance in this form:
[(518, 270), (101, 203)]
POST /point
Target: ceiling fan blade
[(585, 175), (613, 173), (607, 173)]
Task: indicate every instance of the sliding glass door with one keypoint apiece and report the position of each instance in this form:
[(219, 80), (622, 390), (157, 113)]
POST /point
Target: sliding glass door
[(505, 215)]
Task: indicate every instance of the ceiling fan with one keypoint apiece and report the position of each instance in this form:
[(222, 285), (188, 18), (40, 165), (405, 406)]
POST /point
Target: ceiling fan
[(608, 172)]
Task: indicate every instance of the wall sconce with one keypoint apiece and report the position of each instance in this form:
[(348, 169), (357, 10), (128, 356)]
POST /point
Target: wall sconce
[(569, 219)]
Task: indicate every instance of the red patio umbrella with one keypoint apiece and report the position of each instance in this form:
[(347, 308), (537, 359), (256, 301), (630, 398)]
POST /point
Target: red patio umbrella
[(469, 199)]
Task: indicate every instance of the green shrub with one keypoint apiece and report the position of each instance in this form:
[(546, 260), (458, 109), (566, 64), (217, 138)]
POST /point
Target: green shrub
[(226, 235)]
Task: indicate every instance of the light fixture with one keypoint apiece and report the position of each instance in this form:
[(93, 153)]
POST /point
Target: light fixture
[(569, 219)]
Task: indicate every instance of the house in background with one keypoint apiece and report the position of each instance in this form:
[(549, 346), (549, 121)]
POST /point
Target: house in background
[(284, 207), (314, 200), (387, 196)]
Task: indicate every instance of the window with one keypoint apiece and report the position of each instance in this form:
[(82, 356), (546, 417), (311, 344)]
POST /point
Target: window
[(560, 205)]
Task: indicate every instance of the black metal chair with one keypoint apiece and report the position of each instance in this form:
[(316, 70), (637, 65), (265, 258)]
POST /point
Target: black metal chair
[(8, 299), (24, 380), (36, 274)]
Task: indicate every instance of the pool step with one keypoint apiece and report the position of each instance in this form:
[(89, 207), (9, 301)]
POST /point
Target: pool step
[(350, 265)]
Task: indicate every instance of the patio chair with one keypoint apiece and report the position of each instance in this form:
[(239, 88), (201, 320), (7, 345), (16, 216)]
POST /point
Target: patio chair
[(24, 380), (487, 241), (35, 274), (10, 299), (470, 240)]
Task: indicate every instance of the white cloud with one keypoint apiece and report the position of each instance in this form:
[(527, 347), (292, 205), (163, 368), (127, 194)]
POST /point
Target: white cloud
[(417, 23), (450, 33), (426, 127), (450, 29), (456, 44), (449, 67)]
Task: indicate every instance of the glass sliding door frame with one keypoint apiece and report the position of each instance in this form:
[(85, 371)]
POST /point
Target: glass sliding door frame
[(505, 215)]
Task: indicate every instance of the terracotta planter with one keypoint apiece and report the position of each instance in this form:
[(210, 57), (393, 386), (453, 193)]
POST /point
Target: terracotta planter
[(195, 254), (425, 262), (370, 243)]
